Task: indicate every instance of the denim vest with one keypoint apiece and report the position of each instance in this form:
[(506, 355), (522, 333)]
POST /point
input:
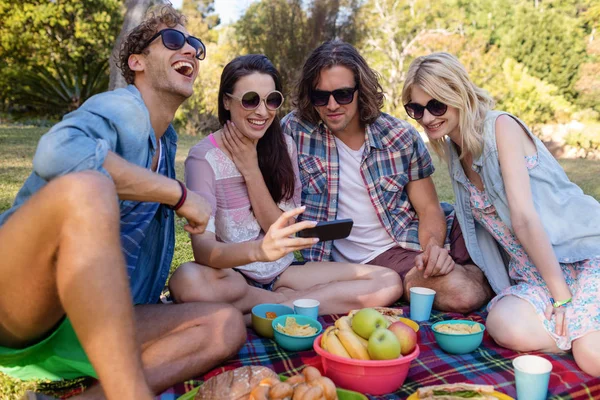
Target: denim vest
[(115, 121), (570, 218)]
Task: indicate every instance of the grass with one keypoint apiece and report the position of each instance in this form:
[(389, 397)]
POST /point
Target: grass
[(17, 146)]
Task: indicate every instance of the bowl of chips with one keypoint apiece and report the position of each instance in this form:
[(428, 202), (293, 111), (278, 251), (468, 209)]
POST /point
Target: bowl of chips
[(296, 332), (263, 316), (458, 336)]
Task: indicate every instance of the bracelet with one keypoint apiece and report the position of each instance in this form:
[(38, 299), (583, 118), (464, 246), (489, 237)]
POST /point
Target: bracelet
[(181, 199), (557, 304)]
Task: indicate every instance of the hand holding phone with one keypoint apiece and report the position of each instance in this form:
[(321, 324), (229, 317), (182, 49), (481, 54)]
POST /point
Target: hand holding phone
[(329, 230)]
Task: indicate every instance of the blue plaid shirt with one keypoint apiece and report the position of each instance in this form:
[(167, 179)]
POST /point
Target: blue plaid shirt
[(394, 155)]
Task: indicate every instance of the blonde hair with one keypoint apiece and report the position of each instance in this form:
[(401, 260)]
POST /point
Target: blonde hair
[(444, 78)]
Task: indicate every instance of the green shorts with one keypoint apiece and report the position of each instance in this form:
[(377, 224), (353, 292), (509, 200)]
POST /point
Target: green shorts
[(57, 357)]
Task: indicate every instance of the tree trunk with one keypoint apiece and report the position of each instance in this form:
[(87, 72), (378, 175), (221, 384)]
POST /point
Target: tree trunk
[(133, 17)]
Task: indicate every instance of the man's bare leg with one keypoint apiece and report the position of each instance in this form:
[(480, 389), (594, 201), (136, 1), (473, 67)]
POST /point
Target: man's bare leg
[(463, 290), (60, 253), (183, 341)]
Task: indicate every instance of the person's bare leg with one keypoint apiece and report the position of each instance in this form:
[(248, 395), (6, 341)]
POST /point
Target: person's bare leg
[(183, 341), (463, 290), (340, 287), (513, 323), (60, 253), (193, 282), (586, 351)]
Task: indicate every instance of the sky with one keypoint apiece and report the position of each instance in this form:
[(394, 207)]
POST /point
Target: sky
[(228, 10)]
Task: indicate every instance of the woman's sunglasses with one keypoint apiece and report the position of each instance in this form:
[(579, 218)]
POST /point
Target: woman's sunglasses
[(320, 98), (435, 108), (251, 100), (174, 40)]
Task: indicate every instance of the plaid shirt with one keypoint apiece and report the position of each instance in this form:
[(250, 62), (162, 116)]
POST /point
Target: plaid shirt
[(394, 155)]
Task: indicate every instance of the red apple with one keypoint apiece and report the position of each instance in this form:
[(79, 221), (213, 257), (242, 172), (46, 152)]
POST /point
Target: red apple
[(405, 335)]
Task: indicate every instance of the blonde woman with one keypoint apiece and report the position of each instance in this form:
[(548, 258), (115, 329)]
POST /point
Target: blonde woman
[(521, 216)]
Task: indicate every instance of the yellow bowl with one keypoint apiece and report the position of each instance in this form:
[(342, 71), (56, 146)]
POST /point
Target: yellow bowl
[(410, 323)]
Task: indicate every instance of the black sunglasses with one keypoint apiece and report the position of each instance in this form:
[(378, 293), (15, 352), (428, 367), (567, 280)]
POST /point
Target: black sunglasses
[(174, 40), (344, 96), (435, 108), (251, 100)]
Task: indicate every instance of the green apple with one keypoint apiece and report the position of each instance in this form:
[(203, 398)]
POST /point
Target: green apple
[(383, 345), (366, 321)]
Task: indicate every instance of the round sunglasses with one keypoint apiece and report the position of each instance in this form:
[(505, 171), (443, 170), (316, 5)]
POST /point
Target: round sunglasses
[(251, 100), (174, 40), (343, 96), (435, 108)]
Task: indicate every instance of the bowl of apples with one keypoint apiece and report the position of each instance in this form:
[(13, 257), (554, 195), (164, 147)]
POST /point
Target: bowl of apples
[(367, 353)]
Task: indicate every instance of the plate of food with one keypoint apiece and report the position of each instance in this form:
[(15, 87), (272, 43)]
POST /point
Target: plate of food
[(458, 391), (263, 383)]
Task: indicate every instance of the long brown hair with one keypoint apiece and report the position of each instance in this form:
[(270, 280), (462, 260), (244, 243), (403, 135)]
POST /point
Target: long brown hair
[(327, 55), (273, 156)]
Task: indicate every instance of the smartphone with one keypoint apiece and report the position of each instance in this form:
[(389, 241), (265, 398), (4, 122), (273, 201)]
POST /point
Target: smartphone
[(329, 230)]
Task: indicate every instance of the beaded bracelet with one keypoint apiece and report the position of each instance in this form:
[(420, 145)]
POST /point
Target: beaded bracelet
[(561, 303)]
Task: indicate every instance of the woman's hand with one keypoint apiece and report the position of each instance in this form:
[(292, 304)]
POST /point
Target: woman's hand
[(560, 319), (241, 149), (279, 240)]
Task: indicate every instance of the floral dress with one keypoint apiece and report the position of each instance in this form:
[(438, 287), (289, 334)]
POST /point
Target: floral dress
[(583, 277)]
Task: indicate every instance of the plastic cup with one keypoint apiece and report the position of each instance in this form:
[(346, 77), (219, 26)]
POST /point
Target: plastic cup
[(532, 374), (308, 307), (421, 301)]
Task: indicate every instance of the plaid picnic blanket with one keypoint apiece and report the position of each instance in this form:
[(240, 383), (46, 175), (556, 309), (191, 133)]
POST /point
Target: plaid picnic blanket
[(489, 364)]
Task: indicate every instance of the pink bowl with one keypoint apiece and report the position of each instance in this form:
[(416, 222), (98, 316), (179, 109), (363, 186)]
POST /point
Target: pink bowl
[(365, 376)]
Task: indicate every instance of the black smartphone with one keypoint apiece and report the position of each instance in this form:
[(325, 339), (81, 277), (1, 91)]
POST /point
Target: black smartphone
[(329, 230)]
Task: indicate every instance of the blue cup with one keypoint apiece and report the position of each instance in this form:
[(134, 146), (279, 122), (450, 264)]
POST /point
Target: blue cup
[(421, 301), (532, 375), (307, 307)]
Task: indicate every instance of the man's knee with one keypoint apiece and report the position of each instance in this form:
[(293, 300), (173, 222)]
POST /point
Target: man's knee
[(230, 323), (86, 193)]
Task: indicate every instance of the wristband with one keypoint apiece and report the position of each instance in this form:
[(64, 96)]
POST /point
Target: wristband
[(557, 304), (181, 199)]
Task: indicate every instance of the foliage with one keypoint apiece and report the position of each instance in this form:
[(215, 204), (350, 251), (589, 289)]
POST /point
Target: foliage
[(42, 34)]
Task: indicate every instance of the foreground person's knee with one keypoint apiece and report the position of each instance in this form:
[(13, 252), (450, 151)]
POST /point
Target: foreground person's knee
[(87, 193), (231, 323)]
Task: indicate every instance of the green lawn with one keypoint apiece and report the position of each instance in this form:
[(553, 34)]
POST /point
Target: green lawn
[(17, 146)]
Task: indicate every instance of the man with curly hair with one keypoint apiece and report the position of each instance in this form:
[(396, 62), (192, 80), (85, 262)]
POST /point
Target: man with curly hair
[(357, 162), (98, 209)]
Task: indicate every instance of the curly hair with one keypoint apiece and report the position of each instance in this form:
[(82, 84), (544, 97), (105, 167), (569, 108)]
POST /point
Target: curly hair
[(137, 39), (330, 54)]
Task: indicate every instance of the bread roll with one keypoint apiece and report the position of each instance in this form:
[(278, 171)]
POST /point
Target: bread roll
[(234, 385)]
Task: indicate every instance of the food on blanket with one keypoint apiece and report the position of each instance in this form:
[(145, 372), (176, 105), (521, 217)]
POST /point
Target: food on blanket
[(331, 343), (405, 335), (457, 391), (309, 385), (383, 345), (391, 314), (292, 328), (344, 322), (235, 384), (367, 320), (458, 329), (270, 315), (353, 345)]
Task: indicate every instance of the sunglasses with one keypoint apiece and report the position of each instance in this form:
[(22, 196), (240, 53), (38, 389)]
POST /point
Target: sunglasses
[(174, 40), (320, 98), (251, 100), (435, 108)]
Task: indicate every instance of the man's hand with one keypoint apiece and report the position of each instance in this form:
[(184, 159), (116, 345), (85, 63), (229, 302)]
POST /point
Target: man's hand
[(196, 211), (279, 240), (242, 150), (434, 261)]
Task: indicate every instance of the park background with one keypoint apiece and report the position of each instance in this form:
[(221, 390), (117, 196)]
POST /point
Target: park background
[(539, 59)]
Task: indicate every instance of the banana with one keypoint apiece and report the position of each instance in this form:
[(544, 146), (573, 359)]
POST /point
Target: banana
[(334, 346), (362, 340), (324, 337), (343, 323), (353, 346)]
